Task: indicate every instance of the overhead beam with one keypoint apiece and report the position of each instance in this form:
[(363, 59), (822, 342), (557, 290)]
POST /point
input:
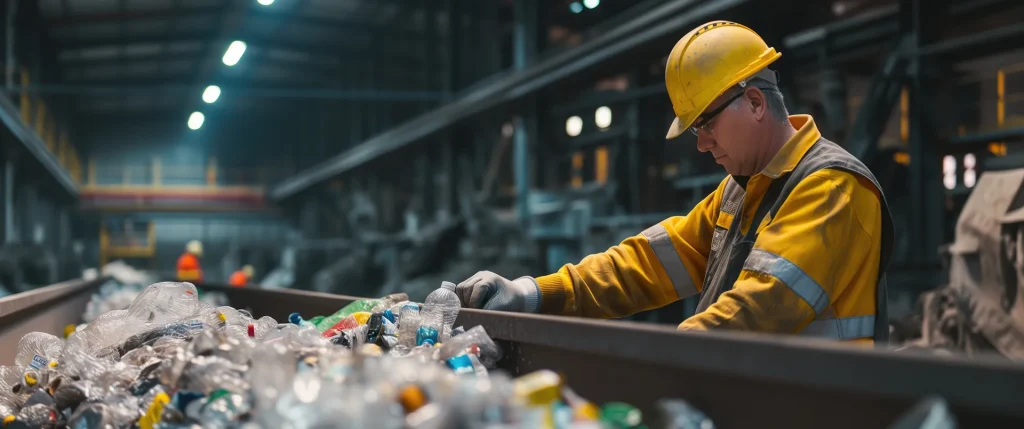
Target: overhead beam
[(663, 20), (326, 49), (321, 22), (270, 91), (69, 21)]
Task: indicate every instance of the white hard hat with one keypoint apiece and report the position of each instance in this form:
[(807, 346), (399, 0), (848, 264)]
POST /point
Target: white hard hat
[(194, 247)]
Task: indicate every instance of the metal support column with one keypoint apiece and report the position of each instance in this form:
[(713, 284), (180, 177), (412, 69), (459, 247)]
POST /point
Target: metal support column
[(926, 211), (10, 234), (524, 47), (833, 99), (10, 60), (634, 169)]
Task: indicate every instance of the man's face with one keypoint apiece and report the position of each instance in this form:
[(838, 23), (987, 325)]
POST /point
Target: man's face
[(725, 130)]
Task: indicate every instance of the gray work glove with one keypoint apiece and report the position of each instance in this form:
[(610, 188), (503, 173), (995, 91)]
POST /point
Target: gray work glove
[(490, 291)]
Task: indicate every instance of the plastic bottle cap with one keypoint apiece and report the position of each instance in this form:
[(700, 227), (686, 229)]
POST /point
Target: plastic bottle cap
[(412, 398), (8, 419), (155, 411), (539, 387), (30, 380), (52, 364), (222, 317), (252, 330), (448, 285), (70, 329)]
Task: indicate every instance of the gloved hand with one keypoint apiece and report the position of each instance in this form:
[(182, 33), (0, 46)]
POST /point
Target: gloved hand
[(493, 292)]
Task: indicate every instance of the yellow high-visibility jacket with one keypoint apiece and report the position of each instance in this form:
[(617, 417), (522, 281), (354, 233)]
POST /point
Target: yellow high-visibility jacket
[(829, 227)]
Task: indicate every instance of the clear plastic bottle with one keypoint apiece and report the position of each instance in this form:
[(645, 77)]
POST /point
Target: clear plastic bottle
[(447, 303), (408, 323)]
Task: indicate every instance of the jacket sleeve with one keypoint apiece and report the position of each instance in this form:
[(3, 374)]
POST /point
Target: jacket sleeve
[(663, 264), (803, 259)]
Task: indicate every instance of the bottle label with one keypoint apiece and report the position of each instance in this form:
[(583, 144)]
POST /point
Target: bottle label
[(38, 362)]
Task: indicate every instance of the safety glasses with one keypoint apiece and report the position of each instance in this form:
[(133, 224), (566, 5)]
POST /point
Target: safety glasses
[(707, 117)]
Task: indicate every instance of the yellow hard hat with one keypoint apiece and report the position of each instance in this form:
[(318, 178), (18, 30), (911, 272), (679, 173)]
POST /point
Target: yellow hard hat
[(194, 247), (248, 270), (706, 62)]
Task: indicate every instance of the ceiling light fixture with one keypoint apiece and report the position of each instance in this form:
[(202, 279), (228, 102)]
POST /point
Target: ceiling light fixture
[(195, 121), (211, 94), (234, 53)]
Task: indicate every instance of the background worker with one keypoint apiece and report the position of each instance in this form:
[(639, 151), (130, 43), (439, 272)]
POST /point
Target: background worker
[(242, 277), (795, 240), (189, 269)]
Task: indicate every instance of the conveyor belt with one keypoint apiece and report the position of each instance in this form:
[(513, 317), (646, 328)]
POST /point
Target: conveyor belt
[(740, 380)]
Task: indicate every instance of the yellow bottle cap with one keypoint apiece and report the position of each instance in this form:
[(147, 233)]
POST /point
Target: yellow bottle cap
[(52, 364), (155, 412), (8, 419), (539, 387), (222, 317), (587, 412), (70, 329), (412, 398), (30, 380)]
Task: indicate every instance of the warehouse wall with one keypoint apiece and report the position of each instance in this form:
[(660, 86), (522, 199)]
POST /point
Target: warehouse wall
[(126, 153), (261, 235)]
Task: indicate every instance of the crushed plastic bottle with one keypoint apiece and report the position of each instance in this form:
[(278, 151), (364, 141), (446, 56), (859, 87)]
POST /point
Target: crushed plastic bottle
[(38, 349), (930, 413), (444, 301), (362, 305), (679, 414), (409, 323)]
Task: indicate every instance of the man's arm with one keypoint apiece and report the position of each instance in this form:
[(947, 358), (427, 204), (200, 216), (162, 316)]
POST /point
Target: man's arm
[(819, 243), (649, 270)]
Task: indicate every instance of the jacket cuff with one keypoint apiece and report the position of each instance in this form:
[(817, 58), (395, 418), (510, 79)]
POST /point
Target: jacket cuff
[(552, 294)]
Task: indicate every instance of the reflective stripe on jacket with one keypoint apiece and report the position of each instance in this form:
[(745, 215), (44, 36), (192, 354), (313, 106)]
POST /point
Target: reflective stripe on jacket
[(813, 267)]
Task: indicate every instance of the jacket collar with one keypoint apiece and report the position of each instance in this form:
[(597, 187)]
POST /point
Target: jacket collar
[(793, 151)]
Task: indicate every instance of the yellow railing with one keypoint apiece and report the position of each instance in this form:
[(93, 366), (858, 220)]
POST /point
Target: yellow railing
[(122, 246), (55, 137)]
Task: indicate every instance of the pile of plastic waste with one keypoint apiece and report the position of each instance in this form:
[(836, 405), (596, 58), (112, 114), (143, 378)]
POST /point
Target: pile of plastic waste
[(116, 295), (171, 361)]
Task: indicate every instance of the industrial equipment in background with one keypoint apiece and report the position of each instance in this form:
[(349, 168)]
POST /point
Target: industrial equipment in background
[(980, 310)]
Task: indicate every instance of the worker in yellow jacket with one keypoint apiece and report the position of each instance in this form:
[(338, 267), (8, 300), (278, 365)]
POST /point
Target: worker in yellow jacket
[(795, 240)]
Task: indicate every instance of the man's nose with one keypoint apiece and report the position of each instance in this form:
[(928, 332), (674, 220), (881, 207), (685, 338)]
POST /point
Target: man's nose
[(704, 142)]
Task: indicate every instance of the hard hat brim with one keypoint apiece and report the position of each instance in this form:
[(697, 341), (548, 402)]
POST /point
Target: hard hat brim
[(677, 129)]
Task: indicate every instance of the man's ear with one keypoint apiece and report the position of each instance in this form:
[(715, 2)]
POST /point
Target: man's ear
[(756, 102)]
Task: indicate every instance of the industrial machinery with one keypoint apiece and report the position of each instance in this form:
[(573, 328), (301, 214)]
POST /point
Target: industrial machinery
[(981, 308)]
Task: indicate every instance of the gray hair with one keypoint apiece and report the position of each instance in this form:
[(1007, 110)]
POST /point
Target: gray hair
[(773, 97)]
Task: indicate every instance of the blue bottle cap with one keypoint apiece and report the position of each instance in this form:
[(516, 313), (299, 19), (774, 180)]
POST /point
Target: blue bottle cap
[(426, 333), (460, 362), (389, 315), (295, 318)]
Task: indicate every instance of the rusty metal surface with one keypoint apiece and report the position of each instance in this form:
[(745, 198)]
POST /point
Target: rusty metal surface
[(740, 380), (48, 309)]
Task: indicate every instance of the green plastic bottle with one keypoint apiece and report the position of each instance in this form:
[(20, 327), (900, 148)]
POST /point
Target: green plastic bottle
[(620, 415)]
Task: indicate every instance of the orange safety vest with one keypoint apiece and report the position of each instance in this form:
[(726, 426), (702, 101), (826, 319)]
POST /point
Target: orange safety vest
[(189, 269), (238, 279)]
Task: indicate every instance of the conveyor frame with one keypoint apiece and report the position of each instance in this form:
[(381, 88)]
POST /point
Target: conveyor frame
[(740, 380)]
